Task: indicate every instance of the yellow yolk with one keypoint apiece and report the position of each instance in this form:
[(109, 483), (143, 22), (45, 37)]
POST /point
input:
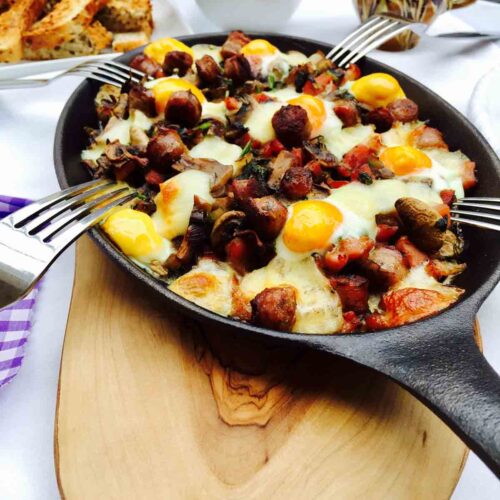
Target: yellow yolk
[(314, 108), (166, 87), (259, 47), (377, 89), (404, 160), (311, 225), (133, 232), (158, 49)]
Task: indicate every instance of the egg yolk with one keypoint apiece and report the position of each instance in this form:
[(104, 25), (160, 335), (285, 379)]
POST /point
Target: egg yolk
[(160, 48), (404, 160), (133, 232), (377, 89), (166, 87), (314, 108), (311, 225), (259, 47)]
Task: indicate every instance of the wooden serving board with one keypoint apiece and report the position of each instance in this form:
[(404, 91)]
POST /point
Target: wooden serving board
[(154, 406)]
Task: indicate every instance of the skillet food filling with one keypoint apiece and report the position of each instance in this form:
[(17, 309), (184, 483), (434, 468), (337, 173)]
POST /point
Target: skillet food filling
[(280, 190)]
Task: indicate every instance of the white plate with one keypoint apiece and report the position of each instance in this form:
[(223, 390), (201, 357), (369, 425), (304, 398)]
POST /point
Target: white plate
[(484, 107), (167, 20)]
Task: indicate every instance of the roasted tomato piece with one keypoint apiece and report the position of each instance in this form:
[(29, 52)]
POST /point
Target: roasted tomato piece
[(356, 157), (275, 308), (469, 179), (447, 195), (348, 249), (385, 232), (347, 112)]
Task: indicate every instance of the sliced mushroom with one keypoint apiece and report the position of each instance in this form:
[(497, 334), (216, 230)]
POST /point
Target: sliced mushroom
[(427, 229), (225, 228), (220, 174), (319, 152), (279, 166)]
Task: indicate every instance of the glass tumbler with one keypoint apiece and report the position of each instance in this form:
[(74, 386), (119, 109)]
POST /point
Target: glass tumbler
[(423, 11)]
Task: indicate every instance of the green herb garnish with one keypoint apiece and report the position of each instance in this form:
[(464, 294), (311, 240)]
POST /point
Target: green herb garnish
[(365, 178), (246, 150), (204, 126), (271, 81)]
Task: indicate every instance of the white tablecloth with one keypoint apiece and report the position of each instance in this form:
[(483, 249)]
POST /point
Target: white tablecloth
[(27, 125)]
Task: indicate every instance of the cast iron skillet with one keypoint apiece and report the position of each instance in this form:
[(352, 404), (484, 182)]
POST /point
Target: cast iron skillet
[(436, 358)]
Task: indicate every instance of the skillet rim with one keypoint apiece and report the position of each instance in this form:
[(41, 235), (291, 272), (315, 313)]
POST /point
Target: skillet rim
[(463, 307)]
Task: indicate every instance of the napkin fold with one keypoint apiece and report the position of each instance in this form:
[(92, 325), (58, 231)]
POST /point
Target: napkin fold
[(15, 321)]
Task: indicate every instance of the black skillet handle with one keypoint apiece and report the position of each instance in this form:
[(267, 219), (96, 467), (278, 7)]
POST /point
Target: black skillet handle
[(439, 362)]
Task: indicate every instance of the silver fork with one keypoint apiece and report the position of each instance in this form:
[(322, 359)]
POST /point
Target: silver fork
[(34, 236), (111, 72), (477, 208), (371, 34)]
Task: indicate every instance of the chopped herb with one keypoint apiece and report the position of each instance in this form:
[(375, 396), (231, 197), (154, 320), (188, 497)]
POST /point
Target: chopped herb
[(204, 126), (365, 178), (271, 81), (257, 169), (141, 196), (344, 94), (246, 149)]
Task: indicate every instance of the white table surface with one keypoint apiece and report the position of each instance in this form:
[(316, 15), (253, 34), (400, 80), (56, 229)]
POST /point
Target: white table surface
[(27, 125)]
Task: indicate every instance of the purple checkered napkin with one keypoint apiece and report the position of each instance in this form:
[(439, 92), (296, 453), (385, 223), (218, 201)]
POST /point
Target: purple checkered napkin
[(15, 321)]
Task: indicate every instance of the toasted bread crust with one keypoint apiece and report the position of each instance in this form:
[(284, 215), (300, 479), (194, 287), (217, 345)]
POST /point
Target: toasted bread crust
[(13, 22), (63, 23), (127, 15), (85, 41)]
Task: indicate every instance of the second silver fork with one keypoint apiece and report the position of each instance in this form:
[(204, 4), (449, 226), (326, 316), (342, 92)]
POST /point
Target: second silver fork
[(111, 72)]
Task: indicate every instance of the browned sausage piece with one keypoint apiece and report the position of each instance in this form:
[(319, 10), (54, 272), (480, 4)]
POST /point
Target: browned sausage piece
[(183, 108), (145, 64), (347, 112), (267, 215), (177, 60), (208, 69), (238, 69), (232, 46), (244, 189), (403, 110), (296, 183), (381, 118), (291, 125), (142, 99), (275, 308), (384, 267), (165, 148), (353, 292), (428, 137)]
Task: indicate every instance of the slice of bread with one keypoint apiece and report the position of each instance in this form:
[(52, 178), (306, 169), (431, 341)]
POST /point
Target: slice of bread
[(127, 15), (13, 22), (123, 42), (67, 23), (84, 42)]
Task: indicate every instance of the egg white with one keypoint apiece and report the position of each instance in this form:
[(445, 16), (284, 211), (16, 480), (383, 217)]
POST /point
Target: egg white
[(447, 166), (318, 306), (359, 204), (171, 218), (215, 148), (205, 49)]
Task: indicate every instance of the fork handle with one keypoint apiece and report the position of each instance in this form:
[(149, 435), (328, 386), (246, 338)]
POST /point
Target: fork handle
[(22, 84)]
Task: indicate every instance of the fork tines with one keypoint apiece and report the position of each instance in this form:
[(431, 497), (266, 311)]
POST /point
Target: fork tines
[(60, 218), (111, 72), (477, 209), (370, 35)]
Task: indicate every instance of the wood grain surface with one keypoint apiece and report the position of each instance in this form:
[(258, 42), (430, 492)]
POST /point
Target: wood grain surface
[(154, 406)]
